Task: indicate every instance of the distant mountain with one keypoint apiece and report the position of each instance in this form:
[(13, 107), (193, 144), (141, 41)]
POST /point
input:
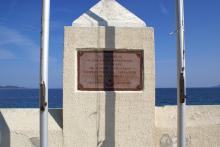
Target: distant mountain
[(11, 87), (217, 86)]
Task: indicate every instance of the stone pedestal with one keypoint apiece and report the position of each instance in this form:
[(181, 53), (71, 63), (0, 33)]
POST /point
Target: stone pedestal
[(102, 114)]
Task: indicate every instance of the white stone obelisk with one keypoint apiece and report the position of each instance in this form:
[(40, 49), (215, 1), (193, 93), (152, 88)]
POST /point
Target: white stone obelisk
[(94, 117)]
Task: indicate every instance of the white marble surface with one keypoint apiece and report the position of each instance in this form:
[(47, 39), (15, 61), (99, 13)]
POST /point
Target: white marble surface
[(108, 13), (108, 119)]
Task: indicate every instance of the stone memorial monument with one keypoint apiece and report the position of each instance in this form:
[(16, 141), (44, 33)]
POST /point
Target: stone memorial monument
[(109, 92), (109, 79)]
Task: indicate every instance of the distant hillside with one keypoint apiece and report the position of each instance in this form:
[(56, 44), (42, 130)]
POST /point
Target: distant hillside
[(11, 87), (217, 86)]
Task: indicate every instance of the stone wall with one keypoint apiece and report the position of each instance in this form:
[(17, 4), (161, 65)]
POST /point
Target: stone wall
[(202, 126), (20, 127)]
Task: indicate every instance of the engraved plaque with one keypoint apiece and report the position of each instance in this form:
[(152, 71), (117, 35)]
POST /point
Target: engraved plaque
[(110, 70)]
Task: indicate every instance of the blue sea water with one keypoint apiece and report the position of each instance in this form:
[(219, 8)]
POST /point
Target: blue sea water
[(29, 98)]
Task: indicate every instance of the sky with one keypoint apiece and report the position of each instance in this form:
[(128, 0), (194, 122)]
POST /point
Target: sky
[(20, 26)]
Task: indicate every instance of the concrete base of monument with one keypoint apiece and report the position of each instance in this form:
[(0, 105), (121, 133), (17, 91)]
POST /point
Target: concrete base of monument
[(20, 127)]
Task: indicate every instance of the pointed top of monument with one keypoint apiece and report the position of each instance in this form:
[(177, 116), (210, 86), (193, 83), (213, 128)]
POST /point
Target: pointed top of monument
[(108, 13)]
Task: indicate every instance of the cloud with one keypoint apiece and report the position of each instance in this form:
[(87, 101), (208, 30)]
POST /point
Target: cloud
[(18, 43), (29, 27), (163, 7), (2, 20), (6, 54)]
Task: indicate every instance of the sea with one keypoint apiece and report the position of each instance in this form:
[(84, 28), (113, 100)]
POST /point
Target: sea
[(29, 98)]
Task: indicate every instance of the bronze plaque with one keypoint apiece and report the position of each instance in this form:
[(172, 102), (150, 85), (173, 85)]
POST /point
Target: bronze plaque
[(113, 70)]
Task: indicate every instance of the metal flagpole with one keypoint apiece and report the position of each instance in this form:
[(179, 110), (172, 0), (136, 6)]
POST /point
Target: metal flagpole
[(44, 73), (181, 89)]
